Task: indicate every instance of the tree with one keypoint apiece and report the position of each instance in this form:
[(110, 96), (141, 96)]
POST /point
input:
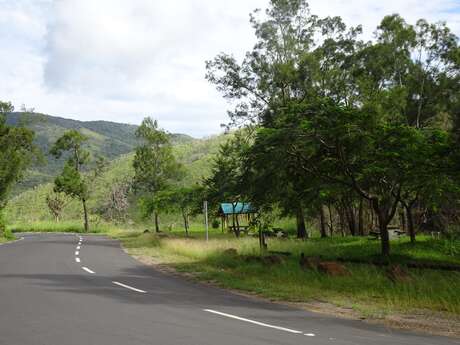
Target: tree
[(154, 164), (188, 200), (56, 203), (349, 115), (116, 205), (16, 153), (227, 182), (71, 180)]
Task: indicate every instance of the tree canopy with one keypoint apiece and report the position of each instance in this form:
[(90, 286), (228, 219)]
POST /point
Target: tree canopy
[(337, 116)]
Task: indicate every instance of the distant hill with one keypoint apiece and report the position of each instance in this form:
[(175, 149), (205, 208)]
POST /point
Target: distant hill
[(196, 154), (107, 139)]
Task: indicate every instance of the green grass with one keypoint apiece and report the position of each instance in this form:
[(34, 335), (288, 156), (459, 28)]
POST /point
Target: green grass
[(368, 290), (65, 226), (7, 236)]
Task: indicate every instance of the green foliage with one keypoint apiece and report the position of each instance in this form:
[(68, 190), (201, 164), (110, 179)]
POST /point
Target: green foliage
[(337, 117), (215, 223), (16, 153), (155, 167), (196, 156), (154, 163), (367, 290), (109, 140), (71, 181)]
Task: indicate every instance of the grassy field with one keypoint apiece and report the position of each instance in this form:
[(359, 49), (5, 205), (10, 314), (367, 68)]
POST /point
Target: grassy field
[(64, 226), (368, 289)]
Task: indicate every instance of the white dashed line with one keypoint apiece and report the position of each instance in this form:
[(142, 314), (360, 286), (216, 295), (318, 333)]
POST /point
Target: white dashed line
[(77, 253), (77, 259), (253, 322), (309, 334), (88, 270), (129, 287), (78, 247)]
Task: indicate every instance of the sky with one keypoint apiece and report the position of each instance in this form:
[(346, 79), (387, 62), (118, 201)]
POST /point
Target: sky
[(123, 60)]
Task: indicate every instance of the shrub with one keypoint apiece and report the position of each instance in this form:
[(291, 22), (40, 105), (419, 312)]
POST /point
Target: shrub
[(215, 223)]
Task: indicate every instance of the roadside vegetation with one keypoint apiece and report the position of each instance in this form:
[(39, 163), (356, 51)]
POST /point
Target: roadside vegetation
[(368, 289), (336, 181)]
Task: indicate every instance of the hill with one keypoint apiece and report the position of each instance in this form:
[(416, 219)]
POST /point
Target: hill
[(196, 155), (106, 139)]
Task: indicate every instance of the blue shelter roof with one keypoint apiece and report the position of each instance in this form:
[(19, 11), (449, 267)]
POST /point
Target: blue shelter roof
[(238, 208)]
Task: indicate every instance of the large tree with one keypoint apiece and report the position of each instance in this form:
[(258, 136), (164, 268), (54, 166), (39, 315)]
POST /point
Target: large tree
[(342, 113), (16, 152), (154, 164), (71, 181)]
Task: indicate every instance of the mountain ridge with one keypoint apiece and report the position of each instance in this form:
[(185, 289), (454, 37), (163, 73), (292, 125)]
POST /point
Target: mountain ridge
[(107, 139)]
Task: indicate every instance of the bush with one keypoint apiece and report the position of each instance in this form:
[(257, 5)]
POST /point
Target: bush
[(2, 225), (215, 223)]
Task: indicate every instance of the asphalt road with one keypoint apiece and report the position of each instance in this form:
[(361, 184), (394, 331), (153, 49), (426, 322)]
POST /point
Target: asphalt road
[(60, 290)]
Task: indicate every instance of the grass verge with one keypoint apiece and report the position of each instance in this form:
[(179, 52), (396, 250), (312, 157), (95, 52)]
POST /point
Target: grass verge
[(7, 236), (368, 290), (64, 226)]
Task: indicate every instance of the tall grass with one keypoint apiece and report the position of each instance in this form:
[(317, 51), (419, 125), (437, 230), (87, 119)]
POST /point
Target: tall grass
[(64, 226), (368, 289)]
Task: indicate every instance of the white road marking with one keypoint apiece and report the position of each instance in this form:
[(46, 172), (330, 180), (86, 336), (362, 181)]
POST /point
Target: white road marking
[(310, 334), (253, 322), (78, 247), (77, 253), (88, 270), (77, 259), (129, 287)]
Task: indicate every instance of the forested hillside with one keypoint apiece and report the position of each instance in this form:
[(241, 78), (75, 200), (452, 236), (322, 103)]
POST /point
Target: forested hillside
[(195, 154), (105, 139)]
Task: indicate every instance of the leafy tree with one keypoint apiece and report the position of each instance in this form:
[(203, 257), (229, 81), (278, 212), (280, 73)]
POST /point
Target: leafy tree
[(154, 164), (337, 113), (71, 180), (16, 153), (227, 182), (188, 200)]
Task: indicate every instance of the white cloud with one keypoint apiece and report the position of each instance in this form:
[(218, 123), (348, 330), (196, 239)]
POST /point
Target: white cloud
[(122, 60)]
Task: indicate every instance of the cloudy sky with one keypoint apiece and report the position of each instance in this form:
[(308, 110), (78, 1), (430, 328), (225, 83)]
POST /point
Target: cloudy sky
[(120, 60)]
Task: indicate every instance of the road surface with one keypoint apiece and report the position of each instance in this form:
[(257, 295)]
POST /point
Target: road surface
[(70, 290)]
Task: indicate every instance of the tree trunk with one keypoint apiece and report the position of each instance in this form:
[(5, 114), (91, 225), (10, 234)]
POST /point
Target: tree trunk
[(341, 220), (384, 236), (262, 242), (301, 228), (237, 229), (157, 222), (402, 217), (85, 214), (331, 227), (185, 217), (322, 222), (410, 223), (350, 219), (384, 219), (361, 218)]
